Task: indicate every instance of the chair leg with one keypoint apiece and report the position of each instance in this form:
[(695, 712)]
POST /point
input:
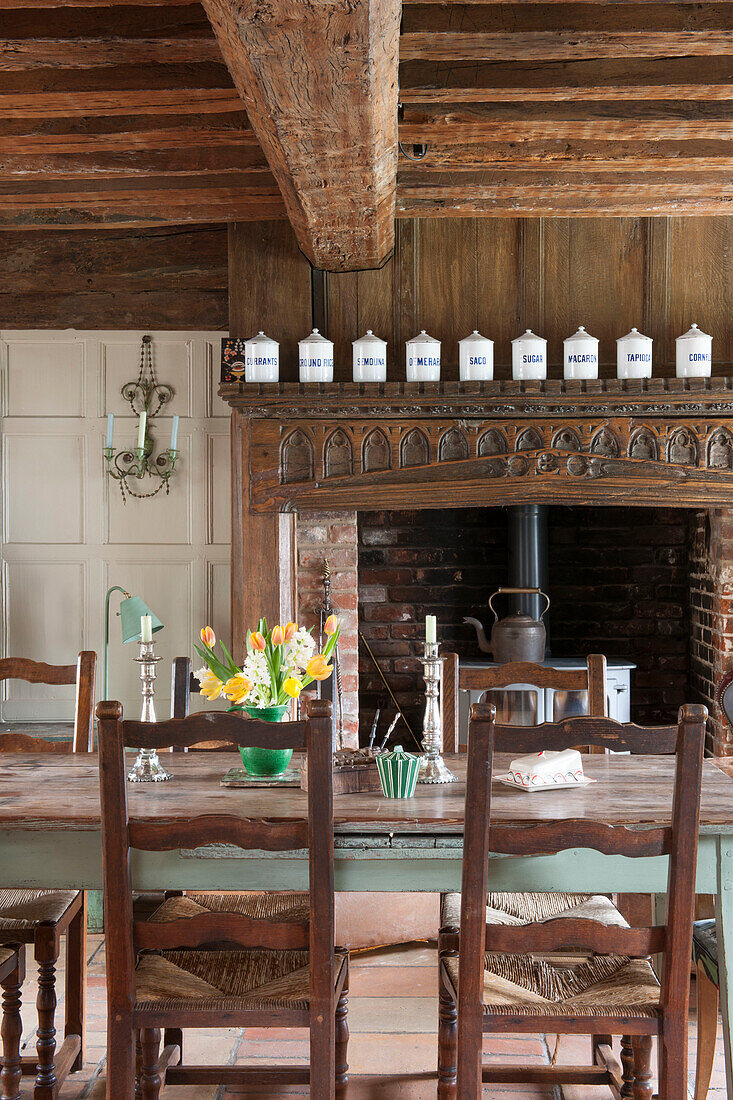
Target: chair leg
[(642, 1045), (138, 1065), (447, 1046), (708, 999), (76, 981), (150, 1079), (627, 1067), (120, 1057), (342, 1038), (11, 1032), (45, 1088), (672, 1054)]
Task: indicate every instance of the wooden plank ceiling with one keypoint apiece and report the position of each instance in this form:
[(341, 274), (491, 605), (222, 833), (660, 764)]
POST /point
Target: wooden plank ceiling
[(125, 114)]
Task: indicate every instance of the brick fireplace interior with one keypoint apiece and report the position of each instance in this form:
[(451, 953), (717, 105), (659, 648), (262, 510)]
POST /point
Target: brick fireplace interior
[(644, 584)]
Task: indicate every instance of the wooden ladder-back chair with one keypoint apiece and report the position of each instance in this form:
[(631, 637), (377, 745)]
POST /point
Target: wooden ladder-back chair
[(12, 973), (281, 971), (591, 679), (503, 978), (41, 917), (183, 685)]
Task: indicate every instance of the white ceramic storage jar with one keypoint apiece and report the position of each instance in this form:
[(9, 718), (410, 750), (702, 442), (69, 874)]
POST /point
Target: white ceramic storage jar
[(370, 358), (315, 356), (261, 359), (475, 357), (422, 355), (634, 355), (580, 355), (694, 353), (529, 356)]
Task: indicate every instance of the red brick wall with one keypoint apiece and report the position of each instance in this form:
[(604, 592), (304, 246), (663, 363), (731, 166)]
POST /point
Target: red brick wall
[(333, 536), (618, 584), (711, 600)]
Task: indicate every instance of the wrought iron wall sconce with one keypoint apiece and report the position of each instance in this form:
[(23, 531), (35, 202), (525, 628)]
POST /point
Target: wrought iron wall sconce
[(146, 397)]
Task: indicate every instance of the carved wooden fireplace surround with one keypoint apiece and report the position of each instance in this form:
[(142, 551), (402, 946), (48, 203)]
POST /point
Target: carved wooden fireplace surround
[(347, 446)]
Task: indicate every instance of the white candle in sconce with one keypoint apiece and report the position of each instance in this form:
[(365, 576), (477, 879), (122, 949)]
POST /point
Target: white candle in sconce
[(315, 355), (370, 358), (694, 354), (174, 434), (261, 359), (141, 426), (529, 356), (146, 628), (475, 358), (110, 429), (422, 354), (634, 355), (580, 355), (431, 629)]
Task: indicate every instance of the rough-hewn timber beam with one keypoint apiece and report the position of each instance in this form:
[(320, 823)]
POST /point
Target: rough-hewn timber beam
[(319, 81), (562, 45)]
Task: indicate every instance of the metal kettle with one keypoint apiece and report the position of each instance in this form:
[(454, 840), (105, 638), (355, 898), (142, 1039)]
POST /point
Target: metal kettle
[(516, 637)]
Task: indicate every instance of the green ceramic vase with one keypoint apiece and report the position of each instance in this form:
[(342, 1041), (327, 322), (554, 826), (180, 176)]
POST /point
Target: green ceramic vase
[(266, 763)]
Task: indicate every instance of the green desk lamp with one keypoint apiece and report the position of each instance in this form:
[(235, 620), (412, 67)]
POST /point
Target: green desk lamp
[(132, 608)]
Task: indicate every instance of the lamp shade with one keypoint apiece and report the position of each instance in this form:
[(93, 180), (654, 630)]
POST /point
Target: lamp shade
[(132, 609)]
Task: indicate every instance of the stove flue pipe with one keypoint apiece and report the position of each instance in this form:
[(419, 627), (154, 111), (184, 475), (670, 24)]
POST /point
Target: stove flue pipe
[(528, 557)]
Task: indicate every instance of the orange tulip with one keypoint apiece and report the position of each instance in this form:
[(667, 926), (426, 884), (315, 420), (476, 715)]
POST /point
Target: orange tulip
[(290, 630), (318, 667), (238, 688), (332, 625), (258, 642), (278, 635), (208, 637)]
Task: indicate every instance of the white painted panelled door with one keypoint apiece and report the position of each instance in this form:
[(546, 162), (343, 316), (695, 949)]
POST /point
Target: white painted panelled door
[(66, 534)]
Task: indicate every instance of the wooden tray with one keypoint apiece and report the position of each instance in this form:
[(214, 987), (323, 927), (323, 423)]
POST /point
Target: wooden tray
[(348, 779)]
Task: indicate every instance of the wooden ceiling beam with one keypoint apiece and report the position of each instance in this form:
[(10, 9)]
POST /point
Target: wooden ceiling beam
[(511, 202), (124, 140), (166, 101), (621, 157), (562, 45), (20, 54), (319, 81)]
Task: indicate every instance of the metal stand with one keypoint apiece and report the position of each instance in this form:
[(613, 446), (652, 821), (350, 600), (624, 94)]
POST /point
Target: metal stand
[(147, 767), (433, 768)]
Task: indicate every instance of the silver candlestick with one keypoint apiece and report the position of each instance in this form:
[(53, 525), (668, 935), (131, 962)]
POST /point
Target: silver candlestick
[(433, 768), (147, 767)]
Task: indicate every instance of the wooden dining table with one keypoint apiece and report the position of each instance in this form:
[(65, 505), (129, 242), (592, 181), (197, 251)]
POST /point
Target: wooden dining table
[(50, 834)]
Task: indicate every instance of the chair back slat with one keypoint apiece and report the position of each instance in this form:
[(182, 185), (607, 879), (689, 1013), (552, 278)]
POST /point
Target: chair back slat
[(573, 933), (37, 672), (221, 928), (215, 726), (592, 679), (600, 732), (183, 685), (270, 836), (557, 836), (314, 833)]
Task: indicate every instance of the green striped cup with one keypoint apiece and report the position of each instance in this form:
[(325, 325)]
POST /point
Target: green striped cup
[(398, 772)]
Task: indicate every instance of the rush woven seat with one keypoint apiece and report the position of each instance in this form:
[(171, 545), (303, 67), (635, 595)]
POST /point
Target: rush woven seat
[(21, 910), (521, 909), (531, 985), (285, 906)]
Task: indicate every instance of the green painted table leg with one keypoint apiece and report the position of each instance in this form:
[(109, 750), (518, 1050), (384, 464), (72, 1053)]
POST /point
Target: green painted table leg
[(95, 917), (724, 922)]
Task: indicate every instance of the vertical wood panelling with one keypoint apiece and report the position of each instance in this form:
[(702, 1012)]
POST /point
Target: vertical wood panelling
[(342, 319), (700, 283), (532, 275), (499, 286), (447, 284), (375, 297), (657, 271), (269, 288)]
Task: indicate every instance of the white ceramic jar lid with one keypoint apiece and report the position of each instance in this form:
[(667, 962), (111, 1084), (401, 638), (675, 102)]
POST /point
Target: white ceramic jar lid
[(370, 338), (260, 338), (529, 337), (634, 335), (581, 334), (694, 333), (475, 335), (423, 338), (315, 338)]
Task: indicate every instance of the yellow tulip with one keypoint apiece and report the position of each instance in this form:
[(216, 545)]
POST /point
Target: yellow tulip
[(238, 688), (208, 637), (331, 626), (318, 667), (278, 635), (292, 687), (211, 687)]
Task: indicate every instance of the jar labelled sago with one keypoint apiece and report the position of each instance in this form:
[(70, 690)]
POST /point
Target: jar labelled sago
[(634, 355), (422, 358), (694, 354), (261, 359), (370, 358), (529, 356), (475, 358), (580, 355), (315, 358)]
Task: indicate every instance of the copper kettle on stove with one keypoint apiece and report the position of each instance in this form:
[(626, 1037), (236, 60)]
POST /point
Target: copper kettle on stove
[(517, 637)]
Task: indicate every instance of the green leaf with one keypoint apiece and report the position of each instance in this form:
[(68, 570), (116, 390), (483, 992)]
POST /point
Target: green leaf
[(212, 662), (234, 668)]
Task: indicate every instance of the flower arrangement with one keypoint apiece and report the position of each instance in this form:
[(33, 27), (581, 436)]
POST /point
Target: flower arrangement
[(278, 665)]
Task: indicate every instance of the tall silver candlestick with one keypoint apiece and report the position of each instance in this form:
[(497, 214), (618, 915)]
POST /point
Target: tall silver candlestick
[(147, 767), (433, 768)]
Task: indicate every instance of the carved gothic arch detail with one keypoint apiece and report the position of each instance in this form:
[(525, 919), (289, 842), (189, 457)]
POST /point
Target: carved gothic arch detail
[(529, 439), (492, 442), (720, 449), (297, 458), (682, 447), (605, 442), (643, 444), (566, 439), (376, 453), (453, 446), (414, 448), (338, 455)]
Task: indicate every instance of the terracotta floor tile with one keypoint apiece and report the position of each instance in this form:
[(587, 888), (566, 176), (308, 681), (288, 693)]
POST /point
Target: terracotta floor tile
[(393, 1014), (387, 1053), (397, 981)]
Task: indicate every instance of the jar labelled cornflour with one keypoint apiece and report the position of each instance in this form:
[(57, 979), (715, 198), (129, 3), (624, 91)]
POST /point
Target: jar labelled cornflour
[(694, 354)]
